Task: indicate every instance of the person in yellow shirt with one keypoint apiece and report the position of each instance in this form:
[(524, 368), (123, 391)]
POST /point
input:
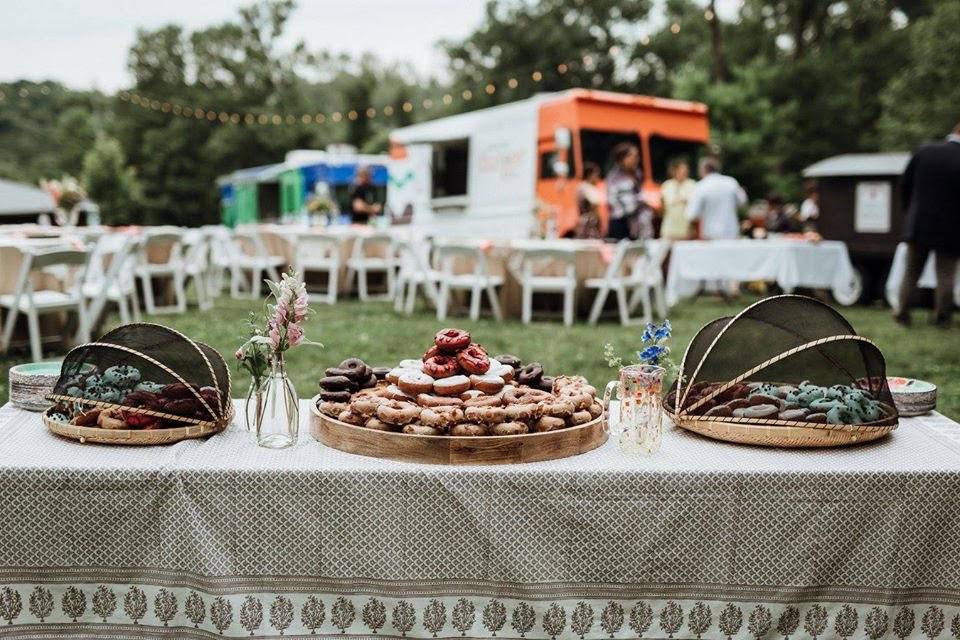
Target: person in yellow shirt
[(675, 194)]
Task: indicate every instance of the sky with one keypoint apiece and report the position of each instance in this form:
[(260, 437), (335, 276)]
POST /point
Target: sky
[(84, 43)]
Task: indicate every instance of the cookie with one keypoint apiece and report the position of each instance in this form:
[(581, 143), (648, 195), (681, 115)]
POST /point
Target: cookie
[(452, 386)]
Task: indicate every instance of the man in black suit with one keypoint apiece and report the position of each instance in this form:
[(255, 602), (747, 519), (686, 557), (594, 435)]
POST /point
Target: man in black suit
[(931, 197)]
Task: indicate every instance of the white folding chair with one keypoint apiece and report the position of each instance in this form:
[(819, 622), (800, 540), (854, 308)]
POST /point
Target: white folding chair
[(220, 249), (114, 282), (196, 267), (319, 253), (257, 260), (373, 253), (32, 303), (532, 279), (627, 273), (161, 239), (477, 282), (414, 272), (650, 273)]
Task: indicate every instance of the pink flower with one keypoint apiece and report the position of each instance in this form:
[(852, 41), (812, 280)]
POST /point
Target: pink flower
[(294, 334), (239, 354), (275, 338)]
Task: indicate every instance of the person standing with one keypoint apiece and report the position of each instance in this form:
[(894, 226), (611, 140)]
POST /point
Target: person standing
[(931, 197), (588, 203), (363, 204), (715, 201), (676, 193), (810, 207), (630, 217)]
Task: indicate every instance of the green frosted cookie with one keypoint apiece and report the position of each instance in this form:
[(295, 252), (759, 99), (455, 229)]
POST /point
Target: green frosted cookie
[(150, 386), (123, 376)]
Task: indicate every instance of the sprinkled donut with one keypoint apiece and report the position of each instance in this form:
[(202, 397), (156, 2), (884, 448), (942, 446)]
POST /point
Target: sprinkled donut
[(351, 418), (509, 429), (558, 408), (420, 430), (332, 409), (397, 412), (549, 423), (485, 415), (366, 406), (451, 340), (580, 417), (485, 401), (522, 412), (469, 429), (377, 425), (441, 417)]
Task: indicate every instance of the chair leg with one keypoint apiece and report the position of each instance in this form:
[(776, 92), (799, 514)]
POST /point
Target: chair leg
[(147, 282), (442, 301), (598, 303), (645, 303), (33, 324), (475, 294), (400, 297), (622, 305), (494, 302), (391, 282), (234, 282), (411, 298), (83, 322), (660, 300), (255, 282), (568, 300), (203, 299), (348, 281), (526, 308), (180, 293), (124, 309), (135, 303), (333, 281), (8, 327)]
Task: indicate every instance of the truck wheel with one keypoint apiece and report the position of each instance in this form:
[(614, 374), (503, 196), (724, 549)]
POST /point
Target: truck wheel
[(855, 291)]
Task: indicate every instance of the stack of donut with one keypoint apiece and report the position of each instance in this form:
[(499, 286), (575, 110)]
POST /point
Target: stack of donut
[(350, 376), (457, 389)]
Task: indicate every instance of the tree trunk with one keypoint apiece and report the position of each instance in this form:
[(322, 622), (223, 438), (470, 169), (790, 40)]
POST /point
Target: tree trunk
[(720, 72)]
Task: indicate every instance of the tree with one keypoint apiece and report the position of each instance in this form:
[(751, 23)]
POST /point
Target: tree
[(342, 614), (846, 622), (312, 614), (10, 604), (554, 620), (876, 624), (759, 622), (611, 620), (731, 619), (135, 604), (904, 622), (221, 614), (494, 616), (815, 621), (524, 618), (464, 615), (932, 622), (104, 602), (700, 618), (73, 603), (110, 182), (581, 620), (76, 134), (374, 614), (281, 613), (671, 618), (251, 614), (435, 617), (195, 608), (920, 103), (403, 618), (165, 606), (41, 603), (641, 617), (788, 621)]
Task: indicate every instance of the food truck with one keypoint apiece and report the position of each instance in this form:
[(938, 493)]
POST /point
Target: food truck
[(510, 170), (859, 199)]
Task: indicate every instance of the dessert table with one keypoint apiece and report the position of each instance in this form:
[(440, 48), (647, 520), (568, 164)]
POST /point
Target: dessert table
[(789, 263), (702, 539)]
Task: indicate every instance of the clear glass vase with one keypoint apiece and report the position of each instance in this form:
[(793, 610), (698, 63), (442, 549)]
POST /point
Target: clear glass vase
[(253, 404), (639, 428), (278, 420)]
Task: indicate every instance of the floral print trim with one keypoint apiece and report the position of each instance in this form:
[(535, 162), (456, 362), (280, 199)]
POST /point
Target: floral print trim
[(276, 615)]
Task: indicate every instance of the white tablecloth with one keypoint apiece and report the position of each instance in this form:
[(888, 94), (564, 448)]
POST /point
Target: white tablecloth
[(928, 279), (702, 539), (789, 263)]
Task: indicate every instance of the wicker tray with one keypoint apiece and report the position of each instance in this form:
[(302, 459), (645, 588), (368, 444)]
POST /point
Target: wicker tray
[(139, 437), (530, 447), (784, 433)]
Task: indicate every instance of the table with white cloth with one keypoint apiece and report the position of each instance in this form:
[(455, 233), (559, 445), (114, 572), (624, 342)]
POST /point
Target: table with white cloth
[(788, 262), (701, 539), (928, 277)]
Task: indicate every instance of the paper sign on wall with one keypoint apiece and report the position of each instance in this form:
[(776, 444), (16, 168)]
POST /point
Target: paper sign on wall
[(872, 207)]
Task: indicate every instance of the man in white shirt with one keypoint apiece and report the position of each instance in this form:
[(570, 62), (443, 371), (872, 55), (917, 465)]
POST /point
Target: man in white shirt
[(715, 201)]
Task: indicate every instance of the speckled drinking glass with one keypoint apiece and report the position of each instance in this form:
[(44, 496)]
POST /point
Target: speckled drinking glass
[(639, 425)]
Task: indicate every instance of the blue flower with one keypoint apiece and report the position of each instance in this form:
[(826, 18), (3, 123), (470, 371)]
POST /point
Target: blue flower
[(652, 354), (648, 332), (663, 331)]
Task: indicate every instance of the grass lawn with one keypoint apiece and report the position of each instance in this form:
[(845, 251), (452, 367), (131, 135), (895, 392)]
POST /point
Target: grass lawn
[(374, 333)]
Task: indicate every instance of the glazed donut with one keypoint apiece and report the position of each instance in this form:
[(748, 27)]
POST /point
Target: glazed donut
[(441, 366), (427, 400), (351, 418), (415, 382), (485, 401), (562, 382), (522, 412), (558, 408), (355, 367), (526, 394), (596, 410), (381, 372), (393, 392), (377, 425), (474, 359), (545, 384), (549, 423), (336, 383), (393, 376), (451, 340), (335, 396), (469, 429), (485, 415), (434, 350), (397, 413), (365, 406), (488, 383), (471, 394), (452, 386), (420, 430), (511, 361), (580, 417), (531, 374), (332, 409), (580, 402), (337, 371), (370, 382), (509, 429), (502, 370), (412, 363), (441, 417)]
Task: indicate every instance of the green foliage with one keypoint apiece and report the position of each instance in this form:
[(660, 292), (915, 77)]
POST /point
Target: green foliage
[(923, 101), (110, 182)]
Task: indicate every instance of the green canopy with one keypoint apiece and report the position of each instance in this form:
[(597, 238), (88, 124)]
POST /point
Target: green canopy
[(291, 191)]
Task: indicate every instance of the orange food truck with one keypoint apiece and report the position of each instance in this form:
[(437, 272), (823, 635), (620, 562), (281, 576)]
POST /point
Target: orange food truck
[(502, 171)]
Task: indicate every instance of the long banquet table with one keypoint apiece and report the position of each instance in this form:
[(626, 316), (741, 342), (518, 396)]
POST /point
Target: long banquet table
[(702, 539), (788, 262)]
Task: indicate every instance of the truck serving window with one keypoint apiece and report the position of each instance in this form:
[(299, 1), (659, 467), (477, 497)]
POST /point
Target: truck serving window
[(663, 151), (597, 146), (450, 168)]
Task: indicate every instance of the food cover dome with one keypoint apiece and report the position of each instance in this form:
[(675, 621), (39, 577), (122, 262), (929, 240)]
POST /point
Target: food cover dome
[(150, 376), (788, 361)]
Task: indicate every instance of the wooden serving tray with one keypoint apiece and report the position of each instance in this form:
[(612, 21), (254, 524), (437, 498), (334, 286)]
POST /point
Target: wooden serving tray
[(138, 437), (405, 447)]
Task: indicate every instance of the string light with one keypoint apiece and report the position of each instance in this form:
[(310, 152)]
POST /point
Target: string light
[(490, 89), (512, 83), (536, 76), (675, 28), (388, 110)]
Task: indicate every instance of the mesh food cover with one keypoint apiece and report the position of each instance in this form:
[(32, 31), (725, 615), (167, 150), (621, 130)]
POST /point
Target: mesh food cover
[(149, 376), (788, 361)]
